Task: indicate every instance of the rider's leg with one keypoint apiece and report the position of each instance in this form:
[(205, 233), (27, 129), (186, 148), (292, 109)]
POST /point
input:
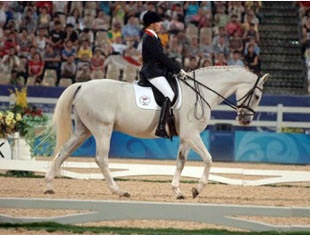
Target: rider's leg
[(163, 86)]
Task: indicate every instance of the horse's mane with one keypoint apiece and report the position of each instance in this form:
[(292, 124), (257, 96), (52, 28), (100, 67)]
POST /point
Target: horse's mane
[(222, 68)]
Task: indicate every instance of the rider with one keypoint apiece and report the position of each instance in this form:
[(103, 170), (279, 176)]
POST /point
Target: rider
[(156, 64)]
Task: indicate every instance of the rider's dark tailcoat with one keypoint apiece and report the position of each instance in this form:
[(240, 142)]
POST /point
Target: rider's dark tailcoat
[(155, 62)]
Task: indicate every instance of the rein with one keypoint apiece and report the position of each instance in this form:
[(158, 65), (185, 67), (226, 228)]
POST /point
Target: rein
[(199, 98)]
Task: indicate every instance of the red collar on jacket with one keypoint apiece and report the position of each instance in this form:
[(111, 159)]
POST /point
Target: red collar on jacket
[(151, 33)]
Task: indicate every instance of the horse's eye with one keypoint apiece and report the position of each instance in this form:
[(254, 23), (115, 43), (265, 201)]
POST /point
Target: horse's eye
[(257, 97)]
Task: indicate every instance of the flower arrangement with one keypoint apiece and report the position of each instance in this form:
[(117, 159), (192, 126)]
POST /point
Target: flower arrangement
[(22, 118)]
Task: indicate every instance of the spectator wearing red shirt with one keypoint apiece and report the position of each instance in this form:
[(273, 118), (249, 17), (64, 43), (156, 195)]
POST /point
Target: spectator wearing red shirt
[(36, 68), (234, 25)]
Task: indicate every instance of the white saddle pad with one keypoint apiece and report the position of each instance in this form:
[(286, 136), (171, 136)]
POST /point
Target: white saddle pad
[(145, 98)]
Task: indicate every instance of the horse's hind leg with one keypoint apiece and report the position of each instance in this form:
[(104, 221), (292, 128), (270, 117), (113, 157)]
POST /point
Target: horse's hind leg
[(199, 147), (103, 137), (75, 140), (180, 162)]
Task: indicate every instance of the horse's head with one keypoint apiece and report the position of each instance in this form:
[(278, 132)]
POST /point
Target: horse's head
[(248, 100)]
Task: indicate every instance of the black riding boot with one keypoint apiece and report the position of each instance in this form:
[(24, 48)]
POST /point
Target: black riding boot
[(161, 130)]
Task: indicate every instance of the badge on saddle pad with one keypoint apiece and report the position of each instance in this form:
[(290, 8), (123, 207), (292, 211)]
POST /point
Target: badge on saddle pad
[(145, 98)]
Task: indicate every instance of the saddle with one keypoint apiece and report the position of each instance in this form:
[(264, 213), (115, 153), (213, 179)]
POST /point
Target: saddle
[(159, 98)]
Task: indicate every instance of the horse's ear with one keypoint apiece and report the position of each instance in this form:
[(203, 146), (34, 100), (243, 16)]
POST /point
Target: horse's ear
[(265, 77)]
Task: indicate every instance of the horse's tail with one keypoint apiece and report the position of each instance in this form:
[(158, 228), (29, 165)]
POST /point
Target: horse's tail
[(62, 121)]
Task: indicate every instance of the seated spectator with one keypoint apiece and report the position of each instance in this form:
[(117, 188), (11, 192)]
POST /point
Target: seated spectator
[(36, 68), (44, 17), (220, 60), (29, 21), (97, 61), (206, 62), (83, 74), (221, 33), (68, 50), (131, 30), (176, 24), (192, 64), (194, 48), (84, 53), (115, 32), (86, 34), (205, 47), (177, 12), (57, 36), (251, 60), (250, 33), (190, 8), (24, 41), (52, 60), (68, 68), (256, 47), (236, 42), (9, 42), (175, 49), (220, 17), (102, 21), (203, 18), (235, 59), (60, 7), (221, 47), (234, 26), (71, 34), (250, 18), (9, 62), (41, 40), (118, 46), (74, 20), (236, 8)]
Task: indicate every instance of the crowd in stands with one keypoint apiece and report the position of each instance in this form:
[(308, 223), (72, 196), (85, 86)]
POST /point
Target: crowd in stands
[(73, 39)]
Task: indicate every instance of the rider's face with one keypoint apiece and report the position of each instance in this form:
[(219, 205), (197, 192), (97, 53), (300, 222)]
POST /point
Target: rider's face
[(157, 27)]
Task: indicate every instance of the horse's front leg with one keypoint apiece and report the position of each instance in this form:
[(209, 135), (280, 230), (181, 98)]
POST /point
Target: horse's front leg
[(103, 145), (199, 147), (180, 162)]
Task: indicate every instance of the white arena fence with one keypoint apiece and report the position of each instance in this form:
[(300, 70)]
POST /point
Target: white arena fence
[(267, 177)]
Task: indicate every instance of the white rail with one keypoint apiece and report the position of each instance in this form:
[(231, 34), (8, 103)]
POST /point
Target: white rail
[(95, 211), (124, 170)]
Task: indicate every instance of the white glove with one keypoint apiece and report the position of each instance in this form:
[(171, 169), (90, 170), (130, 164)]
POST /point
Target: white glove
[(182, 74)]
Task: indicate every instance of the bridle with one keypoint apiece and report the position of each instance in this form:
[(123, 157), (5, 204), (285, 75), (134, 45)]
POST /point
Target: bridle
[(246, 99)]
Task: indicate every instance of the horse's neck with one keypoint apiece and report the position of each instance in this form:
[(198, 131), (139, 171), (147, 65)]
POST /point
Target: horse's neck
[(224, 82)]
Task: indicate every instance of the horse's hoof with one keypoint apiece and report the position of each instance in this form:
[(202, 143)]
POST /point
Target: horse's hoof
[(49, 191), (125, 194), (180, 197), (195, 192)]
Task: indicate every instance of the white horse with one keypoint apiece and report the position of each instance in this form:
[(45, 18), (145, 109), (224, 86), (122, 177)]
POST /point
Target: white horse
[(101, 106)]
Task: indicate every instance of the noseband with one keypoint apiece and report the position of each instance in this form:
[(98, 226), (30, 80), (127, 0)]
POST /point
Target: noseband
[(246, 99)]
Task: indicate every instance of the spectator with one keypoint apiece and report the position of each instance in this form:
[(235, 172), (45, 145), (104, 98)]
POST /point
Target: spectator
[(57, 36), (115, 32), (131, 31), (221, 47), (193, 64), (255, 45), (194, 48), (68, 68), (41, 40), (176, 24), (9, 62), (251, 33), (84, 53), (102, 21), (203, 18), (221, 33), (52, 60), (36, 68), (83, 74), (9, 42), (251, 60), (221, 18), (236, 8), (44, 17), (234, 26), (97, 61), (220, 60), (24, 41), (236, 42), (60, 7), (177, 12), (206, 62), (68, 51), (118, 46), (205, 47), (71, 34), (250, 18), (235, 59), (29, 21), (2, 15), (74, 19), (175, 49), (88, 35), (190, 8)]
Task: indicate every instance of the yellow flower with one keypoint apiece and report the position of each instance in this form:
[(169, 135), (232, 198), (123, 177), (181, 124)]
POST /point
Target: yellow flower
[(21, 97), (1, 115), (18, 117)]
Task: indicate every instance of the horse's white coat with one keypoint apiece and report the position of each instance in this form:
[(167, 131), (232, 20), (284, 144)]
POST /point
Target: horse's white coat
[(101, 106)]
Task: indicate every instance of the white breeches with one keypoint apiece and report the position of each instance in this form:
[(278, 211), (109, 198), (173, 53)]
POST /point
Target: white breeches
[(163, 86)]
